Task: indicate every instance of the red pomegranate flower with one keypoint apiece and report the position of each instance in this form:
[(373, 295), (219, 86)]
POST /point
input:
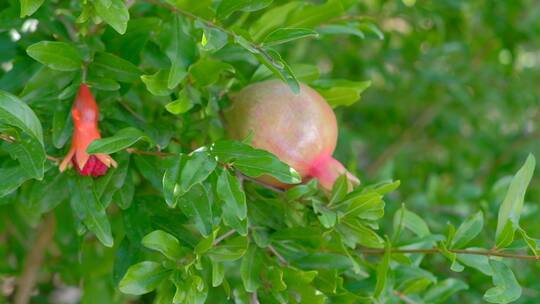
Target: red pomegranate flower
[(85, 114)]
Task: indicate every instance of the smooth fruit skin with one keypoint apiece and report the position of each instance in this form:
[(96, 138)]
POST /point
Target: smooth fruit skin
[(300, 129)]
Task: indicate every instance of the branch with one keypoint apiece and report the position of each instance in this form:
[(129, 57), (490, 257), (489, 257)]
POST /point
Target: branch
[(254, 299), (156, 153), (223, 236), (278, 255), (376, 251), (34, 260)]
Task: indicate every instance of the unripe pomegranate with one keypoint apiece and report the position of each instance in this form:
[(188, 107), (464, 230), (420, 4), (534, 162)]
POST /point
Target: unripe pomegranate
[(299, 129)]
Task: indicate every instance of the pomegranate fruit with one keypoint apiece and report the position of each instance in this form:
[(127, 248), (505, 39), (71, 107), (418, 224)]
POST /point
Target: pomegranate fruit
[(85, 114), (301, 130)]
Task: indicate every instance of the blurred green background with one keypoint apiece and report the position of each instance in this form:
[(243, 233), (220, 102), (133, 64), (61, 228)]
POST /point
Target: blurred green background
[(452, 112)]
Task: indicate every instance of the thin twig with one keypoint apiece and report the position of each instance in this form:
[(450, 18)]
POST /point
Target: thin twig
[(376, 251), (223, 236), (131, 111), (263, 184), (254, 298), (404, 297), (278, 255), (34, 260), (153, 153)]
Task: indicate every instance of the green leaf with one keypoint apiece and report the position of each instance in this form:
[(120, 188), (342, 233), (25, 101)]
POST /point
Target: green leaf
[(313, 15), (170, 178), (157, 83), (113, 67), (478, 262), (341, 92), (12, 178), (103, 84), (532, 243), (113, 12), (273, 61), (230, 250), (253, 162), (178, 49), (468, 230), (339, 190), (28, 7), (407, 219), (16, 113), (207, 71), (218, 273), (59, 56), (29, 152), (196, 204), (213, 39), (197, 167), (143, 278), (62, 126), (341, 29), (234, 210), (327, 217), (181, 105), (120, 141), (227, 7), (355, 232), (284, 35), (250, 269), (382, 271), (230, 191), (189, 290), (443, 290), (507, 288), (367, 205), (163, 242), (512, 204), (85, 202)]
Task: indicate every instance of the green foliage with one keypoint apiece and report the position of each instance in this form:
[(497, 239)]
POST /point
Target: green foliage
[(440, 95)]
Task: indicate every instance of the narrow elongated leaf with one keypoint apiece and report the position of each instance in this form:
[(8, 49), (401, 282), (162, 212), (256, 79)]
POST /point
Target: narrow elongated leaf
[(341, 92), (196, 204), (120, 141), (284, 35), (468, 230), (142, 278), (85, 202), (60, 56), (254, 162), (196, 168), (510, 210), (230, 191), (113, 67), (382, 271), (250, 269), (227, 7)]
